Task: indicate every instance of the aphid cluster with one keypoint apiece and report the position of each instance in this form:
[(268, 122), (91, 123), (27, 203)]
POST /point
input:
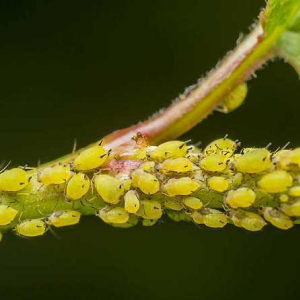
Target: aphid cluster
[(248, 188)]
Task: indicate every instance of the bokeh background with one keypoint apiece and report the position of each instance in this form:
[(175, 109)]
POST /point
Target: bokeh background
[(81, 69)]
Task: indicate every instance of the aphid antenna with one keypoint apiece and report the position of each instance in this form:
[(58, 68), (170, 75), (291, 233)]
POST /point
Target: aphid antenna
[(225, 137), (268, 146), (3, 169), (74, 146), (286, 145)]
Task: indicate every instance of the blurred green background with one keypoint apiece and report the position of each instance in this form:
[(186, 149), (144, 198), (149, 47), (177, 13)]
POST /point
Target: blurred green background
[(81, 69)]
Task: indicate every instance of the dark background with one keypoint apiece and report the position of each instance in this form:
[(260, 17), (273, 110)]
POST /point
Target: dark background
[(81, 69)]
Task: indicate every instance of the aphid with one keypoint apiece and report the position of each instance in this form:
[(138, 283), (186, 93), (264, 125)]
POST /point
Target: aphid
[(146, 182), (193, 154), (64, 218), (283, 158), (218, 183), (292, 210), (13, 180), (31, 228), (214, 163), (223, 146), (294, 191), (77, 186), (91, 158), (173, 204), (192, 202), (125, 180), (177, 165), (178, 216), (276, 182), (255, 160), (284, 198), (109, 188), (117, 215), (148, 166), (172, 149), (55, 175), (197, 217), (277, 219), (242, 197), (214, 218), (236, 180), (7, 214), (248, 220), (150, 209), (295, 157), (149, 222), (132, 203), (181, 186)]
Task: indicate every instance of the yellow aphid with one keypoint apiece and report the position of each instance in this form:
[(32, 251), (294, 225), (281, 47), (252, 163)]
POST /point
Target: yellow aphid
[(125, 180), (276, 182), (55, 175), (90, 158), (192, 202), (132, 203), (117, 215), (109, 188), (148, 166), (277, 219), (283, 158), (295, 156), (193, 154), (237, 180), (173, 204), (172, 149), (64, 218), (252, 222), (13, 180), (177, 165), (197, 217), (181, 186), (292, 210), (7, 214), (284, 198), (218, 183), (242, 197), (31, 228), (235, 98), (150, 209), (214, 163), (223, 146), (214, 218), (294, 191), (146, 182), (255, 160), (77, 186)]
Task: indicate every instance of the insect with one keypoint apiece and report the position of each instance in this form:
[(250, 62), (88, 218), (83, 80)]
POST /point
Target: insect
[(173, 204), (181, 186), (277, 219), (294, 191), (55, 175), (223, 146), (109, 188), (149, 222), (234, 99), (150, 209), (292, 210), (284, 198), (295, 157), (13, 180), (197, 217), (77, 186), (177, 165), (283, 159), (171, 149), (91, 158), (242, 197), (31, 228), (117, 215), (218, 183), (64, 218), (248, 220), (7, 214), (146, 182), (148, 166), (132, 203), (214, 218), (254, 160), (276, 182), (192, 202), (214, 163)]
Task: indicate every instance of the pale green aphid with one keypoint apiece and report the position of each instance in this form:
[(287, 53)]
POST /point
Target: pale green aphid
[(55, 175), (255, 160), (177, 165), (181, 186), (192, 202), (132, 203), (248, 220), (13, 180), (173, 205), (284, 198), (31, 228), (150, 209), (291, 209), (214, 163), (64, 218), (149, 222), (223, 146), (218, 183), (172, 149), (77, 186), (277, 219), (117, 215), (91, 158), (109, 188), (146, 182), (214, 218), (276, 182), (197, 217), (7, 214), (242, 197)]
